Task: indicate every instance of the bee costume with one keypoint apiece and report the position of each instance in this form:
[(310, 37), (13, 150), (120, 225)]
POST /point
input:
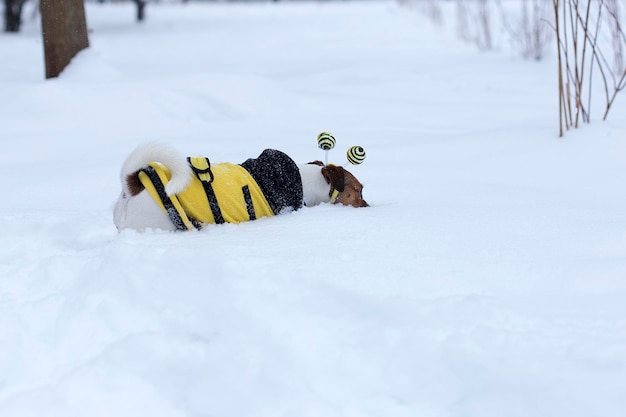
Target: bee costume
[(227, 192)]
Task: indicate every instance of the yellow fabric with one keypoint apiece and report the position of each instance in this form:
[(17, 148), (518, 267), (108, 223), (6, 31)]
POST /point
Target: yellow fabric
[(201, 164), (229, 179)]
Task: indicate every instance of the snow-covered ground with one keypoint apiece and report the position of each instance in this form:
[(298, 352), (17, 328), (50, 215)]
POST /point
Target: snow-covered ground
[(487, 279)]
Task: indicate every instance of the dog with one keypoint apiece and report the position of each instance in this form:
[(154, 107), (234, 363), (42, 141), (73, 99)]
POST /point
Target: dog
[(163, 190)]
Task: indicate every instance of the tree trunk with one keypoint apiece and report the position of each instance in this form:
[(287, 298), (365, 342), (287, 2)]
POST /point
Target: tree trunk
[(141, 5), (64, 31), (13, 15)]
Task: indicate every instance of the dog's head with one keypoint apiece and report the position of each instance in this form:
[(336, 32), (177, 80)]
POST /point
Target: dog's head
[(344, 187)]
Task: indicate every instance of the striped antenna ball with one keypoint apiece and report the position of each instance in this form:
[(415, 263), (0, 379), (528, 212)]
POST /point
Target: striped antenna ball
[(356, 155), (325, 141)]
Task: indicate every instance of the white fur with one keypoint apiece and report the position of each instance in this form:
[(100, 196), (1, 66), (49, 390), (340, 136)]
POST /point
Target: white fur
[(315, 189), (141, 212), (156, 152)]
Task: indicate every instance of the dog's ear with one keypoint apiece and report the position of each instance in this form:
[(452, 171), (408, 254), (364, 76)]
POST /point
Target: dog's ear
[(335, 176), (318, 163)]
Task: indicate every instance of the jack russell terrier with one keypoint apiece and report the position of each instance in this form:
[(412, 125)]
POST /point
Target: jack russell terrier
[(163, 190)]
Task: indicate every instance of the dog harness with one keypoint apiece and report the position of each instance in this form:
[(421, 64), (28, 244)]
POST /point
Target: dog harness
[(226, 192)]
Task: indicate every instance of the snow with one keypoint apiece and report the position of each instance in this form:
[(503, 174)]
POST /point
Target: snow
[(486, 279)]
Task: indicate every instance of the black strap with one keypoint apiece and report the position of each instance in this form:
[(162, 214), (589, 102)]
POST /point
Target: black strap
[(248, 199), (208, 189), (167, 202), (215, 206)]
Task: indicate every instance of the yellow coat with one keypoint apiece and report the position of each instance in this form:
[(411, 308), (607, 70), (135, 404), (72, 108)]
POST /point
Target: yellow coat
[(224, 192)]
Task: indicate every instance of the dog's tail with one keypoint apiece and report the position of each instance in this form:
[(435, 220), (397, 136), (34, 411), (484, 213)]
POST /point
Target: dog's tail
[(155, 152)]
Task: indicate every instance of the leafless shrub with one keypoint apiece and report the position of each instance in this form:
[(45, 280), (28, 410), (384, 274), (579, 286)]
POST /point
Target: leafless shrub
[(478, 22), (430, 8), (581, 50), (590, 41), (528, 27), (484, 24), (433, 10), (474, 22), (617, 35), (462, 20)]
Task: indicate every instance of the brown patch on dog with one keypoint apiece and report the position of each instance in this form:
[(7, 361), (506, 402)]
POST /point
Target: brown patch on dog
[(134, 185), (350, 189), (352, 194), (335, 176), (318, 163)]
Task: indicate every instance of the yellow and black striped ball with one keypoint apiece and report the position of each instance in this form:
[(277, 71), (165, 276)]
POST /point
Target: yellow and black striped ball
[(325, 141), (356, 155)]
